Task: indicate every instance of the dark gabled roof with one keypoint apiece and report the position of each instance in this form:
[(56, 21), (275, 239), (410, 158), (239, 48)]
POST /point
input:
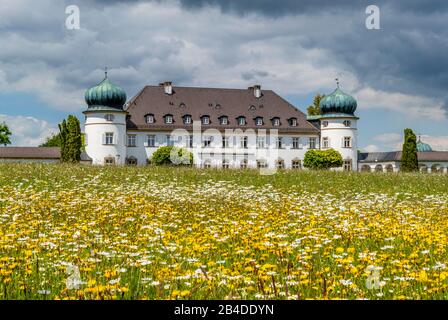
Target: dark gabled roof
[(433, 156), (202, 101), (396, 156), (379, 156), (52, 153), (29, 153)]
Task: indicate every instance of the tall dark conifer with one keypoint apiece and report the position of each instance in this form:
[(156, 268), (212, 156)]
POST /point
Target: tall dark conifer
[(409, 160)]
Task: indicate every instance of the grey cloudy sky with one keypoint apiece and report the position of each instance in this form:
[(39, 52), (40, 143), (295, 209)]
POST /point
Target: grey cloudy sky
[(398, 74)]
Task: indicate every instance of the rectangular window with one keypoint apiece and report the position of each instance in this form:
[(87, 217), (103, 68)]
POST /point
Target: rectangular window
[(296, 143), (109, 161), (296, 164), (205, 120), (262, 164), (243, 142), (109, 138), (132, 140), (261, 142), (189, 141), (243, 164), (279, 143), (241, 121), (168, 119), (312, 142), (224, 120), (347, 164), (151, 140), (187, 120), (149, 119), (226, 164), (347, 142), (169, 140), (259, 121), (206, 142), (325, 143), (225, 142)]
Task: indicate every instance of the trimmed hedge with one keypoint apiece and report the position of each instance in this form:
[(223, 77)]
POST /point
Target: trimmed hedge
[(171, 155), (322, 159)]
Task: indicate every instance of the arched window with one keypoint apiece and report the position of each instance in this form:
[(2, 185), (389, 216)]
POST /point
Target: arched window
[(365, 168), (389, 168), (378, 168), (436, 168), (347, 123)]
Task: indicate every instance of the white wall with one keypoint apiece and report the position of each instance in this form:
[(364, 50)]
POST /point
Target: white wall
[(336, 131), (95, 127), (234, 153)]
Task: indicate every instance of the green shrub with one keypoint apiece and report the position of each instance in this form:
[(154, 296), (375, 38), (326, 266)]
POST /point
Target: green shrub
[(170, 155), (322, 159)]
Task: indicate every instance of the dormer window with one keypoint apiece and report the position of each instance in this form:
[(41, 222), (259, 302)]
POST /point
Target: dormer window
[(168, 119), (252, 108), (109, 117), (205, 120), (224, 120), (293, 122), (276, 122), (258, 121), (187, 119), (241, 121), (149, 118)]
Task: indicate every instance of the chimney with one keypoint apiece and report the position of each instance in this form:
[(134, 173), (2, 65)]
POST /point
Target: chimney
[(257, 91), (167, 87)]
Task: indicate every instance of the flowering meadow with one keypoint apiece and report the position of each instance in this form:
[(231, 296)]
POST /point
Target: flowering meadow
[(78, 232)]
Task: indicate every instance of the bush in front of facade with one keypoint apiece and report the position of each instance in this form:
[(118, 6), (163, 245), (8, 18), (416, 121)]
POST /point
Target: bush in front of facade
[(171, 155), (322, 159)]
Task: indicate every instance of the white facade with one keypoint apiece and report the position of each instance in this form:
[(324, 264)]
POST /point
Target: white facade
[(105, 134), (341, 133), (236, 152)]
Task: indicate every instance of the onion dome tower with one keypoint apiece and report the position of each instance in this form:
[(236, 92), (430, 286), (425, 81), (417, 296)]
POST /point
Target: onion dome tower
[(338, 124), (423, 147), (105, 123)]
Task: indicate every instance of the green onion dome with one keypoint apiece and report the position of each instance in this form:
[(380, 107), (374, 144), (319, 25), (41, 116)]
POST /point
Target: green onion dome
[(423, 147), (338, 102), (105, 95)]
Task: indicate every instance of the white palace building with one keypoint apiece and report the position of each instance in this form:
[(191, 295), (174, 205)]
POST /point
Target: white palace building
[(228, 128)]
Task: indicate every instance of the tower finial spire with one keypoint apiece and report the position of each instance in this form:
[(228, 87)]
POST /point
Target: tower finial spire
[(105, 72)]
